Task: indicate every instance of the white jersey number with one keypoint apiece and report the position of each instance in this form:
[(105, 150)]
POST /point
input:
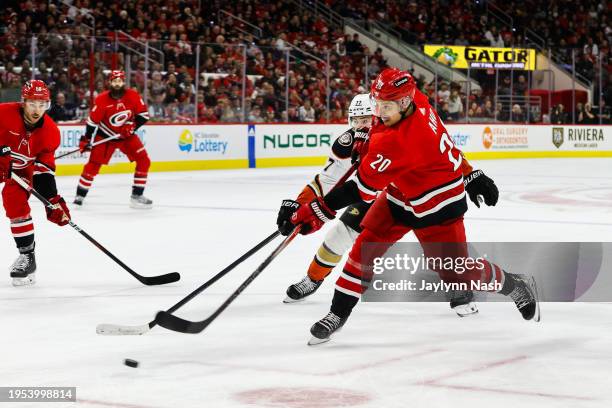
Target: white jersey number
[(380, 164), (446, 143)]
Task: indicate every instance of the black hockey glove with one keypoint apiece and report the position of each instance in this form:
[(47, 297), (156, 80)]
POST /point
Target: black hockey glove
[(479, 186), (283, 221), (360, 145)]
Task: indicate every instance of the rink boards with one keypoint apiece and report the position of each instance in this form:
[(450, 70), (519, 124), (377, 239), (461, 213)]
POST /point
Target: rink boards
[(232, 146)]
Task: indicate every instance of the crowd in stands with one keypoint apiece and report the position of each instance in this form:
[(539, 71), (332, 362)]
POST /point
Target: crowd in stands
[(265, 39)]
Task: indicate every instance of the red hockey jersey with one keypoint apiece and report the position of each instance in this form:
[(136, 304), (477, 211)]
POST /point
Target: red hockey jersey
[(33, 150), (418, 163), (110, 114)]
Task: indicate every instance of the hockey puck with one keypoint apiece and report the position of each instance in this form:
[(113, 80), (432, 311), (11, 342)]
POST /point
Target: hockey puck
[(130, 363)]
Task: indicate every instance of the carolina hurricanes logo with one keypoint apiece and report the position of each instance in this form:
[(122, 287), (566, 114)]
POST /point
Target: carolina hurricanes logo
[(20, 161), (119, 118)]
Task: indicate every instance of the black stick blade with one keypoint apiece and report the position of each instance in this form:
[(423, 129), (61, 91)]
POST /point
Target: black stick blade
[(171, 322), (161, 279)]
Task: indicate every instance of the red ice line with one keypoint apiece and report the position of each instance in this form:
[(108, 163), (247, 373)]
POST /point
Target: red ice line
[(110, 404), (435, 382)]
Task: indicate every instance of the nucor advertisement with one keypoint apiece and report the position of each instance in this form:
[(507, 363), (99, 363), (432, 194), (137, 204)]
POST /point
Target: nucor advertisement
[(295, 140), (171, 143)]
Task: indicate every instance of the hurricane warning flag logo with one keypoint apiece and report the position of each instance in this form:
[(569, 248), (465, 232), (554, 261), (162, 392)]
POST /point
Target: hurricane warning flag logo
[(185, 141)]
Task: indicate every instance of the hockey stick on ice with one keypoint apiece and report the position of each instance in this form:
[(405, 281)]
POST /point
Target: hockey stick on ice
[(147, 280), (99, 142), (115, 329), (171, 322)]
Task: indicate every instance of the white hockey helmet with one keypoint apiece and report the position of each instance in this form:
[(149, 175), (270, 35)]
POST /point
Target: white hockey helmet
[(360, 106)]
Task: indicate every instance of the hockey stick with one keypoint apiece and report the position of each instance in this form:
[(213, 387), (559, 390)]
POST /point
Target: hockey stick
[(115, 329), (171, 322), (99, 142), (147, 280)]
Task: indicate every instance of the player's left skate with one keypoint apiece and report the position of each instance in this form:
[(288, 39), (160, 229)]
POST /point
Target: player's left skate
[(140, 202), (302, 289), (462, 302), (323, 329), (78, 200), (525, 295), (23, 270)]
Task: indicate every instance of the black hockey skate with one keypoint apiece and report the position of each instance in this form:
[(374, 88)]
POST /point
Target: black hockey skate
[(302, 289), (462, 302), (78, 200), (323, 329), (23, 270), (525, 296)]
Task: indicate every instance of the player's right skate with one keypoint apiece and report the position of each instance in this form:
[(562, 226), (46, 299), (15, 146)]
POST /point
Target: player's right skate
[(78, 200), (299, 291), (323, 329), (462, 302), (140, 202), (23, 270)]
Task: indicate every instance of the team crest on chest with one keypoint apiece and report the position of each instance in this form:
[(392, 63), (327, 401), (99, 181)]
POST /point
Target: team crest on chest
[(119, 118)]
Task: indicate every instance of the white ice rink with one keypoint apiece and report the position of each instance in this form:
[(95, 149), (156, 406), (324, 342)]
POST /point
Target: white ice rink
[(404, 355)]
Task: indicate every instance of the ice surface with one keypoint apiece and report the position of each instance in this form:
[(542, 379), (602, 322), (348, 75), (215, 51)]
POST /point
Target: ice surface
[(255, 354)]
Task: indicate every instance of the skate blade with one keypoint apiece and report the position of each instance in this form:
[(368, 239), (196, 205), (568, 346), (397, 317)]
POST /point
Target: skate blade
[(315, 341), (466, 310), (27, 281), (289, 300), (534, 287), (141, 206)]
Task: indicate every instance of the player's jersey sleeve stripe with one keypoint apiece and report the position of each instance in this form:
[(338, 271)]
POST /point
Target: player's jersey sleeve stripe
[(41, 168), (438, 190), (368, 194)]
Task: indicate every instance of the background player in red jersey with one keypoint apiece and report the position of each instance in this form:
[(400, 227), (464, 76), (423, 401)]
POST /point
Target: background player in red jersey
[(117, 114), (346, 149), (414, 161), (28, 140)]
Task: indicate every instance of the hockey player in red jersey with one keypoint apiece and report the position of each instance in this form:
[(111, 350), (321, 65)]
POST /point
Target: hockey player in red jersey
[(415, 164), (28, 140), (117, 114), (345, 150)]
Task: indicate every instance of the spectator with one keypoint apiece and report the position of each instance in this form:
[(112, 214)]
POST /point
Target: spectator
[(157, 110), (307, 112), (455, 106), (501, 114), (443, 93), (517, 113), (586, 116), (444, 113), (61, 111), (520, 86), (82, 111), (255, 115), (354, 46), (558, 115), (494, 37)]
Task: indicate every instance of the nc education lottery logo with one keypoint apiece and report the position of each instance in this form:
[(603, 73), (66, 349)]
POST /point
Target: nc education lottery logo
[(185, 141), (200, 142)]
